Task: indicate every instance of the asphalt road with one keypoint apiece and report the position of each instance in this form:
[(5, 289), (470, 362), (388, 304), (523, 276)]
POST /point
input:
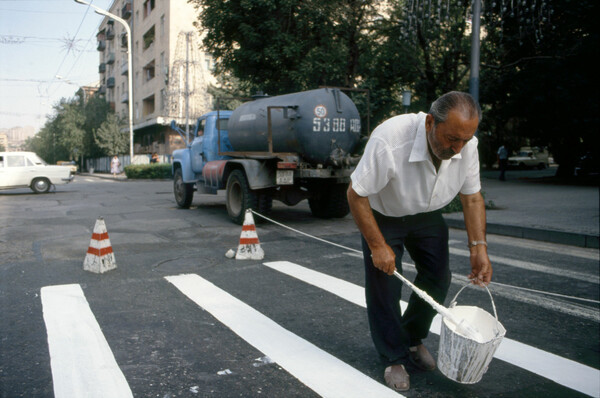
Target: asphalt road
[(179, 319)]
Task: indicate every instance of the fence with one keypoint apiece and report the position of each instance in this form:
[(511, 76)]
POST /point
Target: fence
[(102, 165)]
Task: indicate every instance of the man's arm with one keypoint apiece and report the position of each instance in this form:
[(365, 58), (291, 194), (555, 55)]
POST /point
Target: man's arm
[(382, 254), (474, 214)]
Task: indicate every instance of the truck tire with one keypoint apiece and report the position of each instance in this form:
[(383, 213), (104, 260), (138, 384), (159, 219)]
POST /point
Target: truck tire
[(239, 196), (184, 193), (330, 201)]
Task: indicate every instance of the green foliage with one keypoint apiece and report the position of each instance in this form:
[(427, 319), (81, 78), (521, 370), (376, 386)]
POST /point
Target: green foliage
[(68, 133), (109, 137), (282, 46), (149, 171)]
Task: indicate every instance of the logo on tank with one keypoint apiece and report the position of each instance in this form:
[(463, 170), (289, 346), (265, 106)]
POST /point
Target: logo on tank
[(320, 111)]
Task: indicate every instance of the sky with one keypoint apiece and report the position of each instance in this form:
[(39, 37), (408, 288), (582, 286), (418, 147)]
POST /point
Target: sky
[(40, 39)]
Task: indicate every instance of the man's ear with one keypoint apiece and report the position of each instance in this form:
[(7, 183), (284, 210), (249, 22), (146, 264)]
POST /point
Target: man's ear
[(429, 122)]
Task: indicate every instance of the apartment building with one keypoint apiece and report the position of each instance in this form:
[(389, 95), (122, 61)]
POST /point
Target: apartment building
[(170, 74)]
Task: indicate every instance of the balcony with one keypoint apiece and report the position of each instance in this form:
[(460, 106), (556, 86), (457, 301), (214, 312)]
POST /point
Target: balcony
[(101, 45), (123, 40), (126, 10), (110, 59), (110, 34), (125, 97), (110, 82), (102, 90), (102, 68), (124, 68)]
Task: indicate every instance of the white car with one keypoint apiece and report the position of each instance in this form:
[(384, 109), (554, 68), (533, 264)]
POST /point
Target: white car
[(530, 157), (26, 169)]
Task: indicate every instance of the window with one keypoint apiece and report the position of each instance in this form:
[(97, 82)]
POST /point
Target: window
[(163, 99), (162, 26), (149, 71), (16, 161), (148, 106), (148, 7), (149, 37)]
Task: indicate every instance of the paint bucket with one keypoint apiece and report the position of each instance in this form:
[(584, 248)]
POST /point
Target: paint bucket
[(460, 358)]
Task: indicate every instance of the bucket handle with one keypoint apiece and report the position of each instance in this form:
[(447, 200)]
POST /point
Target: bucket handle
[(453, 302)]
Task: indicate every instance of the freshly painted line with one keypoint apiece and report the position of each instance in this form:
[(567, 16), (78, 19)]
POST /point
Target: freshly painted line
[(566, 372), (520, 294), (323, 373), (563, 250), (82, 362), (529, 266)]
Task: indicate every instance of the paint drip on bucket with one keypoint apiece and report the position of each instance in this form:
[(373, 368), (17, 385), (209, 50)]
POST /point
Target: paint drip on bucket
[(464, 359)]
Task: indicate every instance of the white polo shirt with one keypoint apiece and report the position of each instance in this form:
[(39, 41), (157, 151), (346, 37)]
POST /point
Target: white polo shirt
[(397, 174)]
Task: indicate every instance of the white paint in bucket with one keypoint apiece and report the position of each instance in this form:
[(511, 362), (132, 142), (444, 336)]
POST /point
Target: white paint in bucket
[(460, 358)]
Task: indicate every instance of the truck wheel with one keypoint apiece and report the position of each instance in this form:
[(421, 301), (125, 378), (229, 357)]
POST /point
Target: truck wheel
[(184, 193), (40, 185), (330, 202), (239, 197)]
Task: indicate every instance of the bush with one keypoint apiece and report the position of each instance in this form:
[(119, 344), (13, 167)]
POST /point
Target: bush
[(149, 171), (456, 205)]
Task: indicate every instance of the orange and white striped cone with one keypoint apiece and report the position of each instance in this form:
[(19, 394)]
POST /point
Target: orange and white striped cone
[(100, 257), (249, 247)]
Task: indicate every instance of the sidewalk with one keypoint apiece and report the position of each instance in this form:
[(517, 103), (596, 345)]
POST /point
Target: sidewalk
[(531, 208)]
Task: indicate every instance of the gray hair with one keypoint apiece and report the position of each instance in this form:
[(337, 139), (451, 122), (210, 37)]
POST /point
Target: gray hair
[(454, 100)]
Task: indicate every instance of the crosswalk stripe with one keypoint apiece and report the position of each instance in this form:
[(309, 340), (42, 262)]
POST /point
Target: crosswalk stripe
[(323, 373), (82, 362), (566, 372)]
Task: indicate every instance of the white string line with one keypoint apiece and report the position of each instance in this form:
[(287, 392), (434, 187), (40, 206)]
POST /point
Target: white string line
[(360, 252)]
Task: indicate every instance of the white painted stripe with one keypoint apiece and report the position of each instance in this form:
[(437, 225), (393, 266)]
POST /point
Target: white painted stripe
[(323, 373), (529, 266), (566, 372), (82, 362), (522, 295), (563, 250)]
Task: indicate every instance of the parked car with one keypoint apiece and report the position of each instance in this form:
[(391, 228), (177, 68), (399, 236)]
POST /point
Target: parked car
[(26, 169), (529, 157), (71, 163)]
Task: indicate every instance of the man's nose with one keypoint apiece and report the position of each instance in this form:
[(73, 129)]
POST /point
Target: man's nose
[(456, 148)]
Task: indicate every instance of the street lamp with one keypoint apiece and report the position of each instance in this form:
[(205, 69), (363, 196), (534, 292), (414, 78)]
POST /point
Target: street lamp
[(406, 99), (73, 83), (129, 60)]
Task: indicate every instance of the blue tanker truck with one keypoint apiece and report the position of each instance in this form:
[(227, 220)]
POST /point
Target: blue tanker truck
[(288, 148)]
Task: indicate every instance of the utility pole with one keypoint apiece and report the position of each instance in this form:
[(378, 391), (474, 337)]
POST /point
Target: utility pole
[(475, 28), (187, 86)]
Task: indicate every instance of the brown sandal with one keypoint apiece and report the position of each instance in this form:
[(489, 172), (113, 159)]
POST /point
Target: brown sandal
[(396, 378)]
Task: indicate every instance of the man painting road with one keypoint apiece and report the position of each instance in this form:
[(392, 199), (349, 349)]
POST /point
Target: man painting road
[(414, 165)]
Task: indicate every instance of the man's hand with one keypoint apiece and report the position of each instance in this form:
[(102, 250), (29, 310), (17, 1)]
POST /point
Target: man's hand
[(384, 259), (481, 268)]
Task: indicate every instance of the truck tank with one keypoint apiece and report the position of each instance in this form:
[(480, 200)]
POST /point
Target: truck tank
[(319, 125)]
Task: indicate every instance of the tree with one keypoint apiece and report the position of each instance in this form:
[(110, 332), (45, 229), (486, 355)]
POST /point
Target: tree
[(281, 46), (538, 79), (110, 138)]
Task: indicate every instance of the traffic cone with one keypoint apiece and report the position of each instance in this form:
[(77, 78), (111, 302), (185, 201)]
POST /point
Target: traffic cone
[(100, 257), (249, 248)]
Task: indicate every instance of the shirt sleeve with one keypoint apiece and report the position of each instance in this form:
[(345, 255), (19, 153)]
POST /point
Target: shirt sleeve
[(472, 182), (375, 169)]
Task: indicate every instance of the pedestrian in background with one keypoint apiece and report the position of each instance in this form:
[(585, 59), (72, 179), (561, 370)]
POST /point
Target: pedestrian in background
[(154, 158), (115, 166), (413, 165), (502, 157)]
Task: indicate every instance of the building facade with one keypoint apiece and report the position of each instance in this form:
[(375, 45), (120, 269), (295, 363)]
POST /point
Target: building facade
[(170, 75)]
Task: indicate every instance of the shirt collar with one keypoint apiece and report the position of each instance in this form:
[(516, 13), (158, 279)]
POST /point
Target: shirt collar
[(420, 151)]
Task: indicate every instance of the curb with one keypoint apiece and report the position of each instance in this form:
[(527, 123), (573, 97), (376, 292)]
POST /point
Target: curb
[(561, 237)]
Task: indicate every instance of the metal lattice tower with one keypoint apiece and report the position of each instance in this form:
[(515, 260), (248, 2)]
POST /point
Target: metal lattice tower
[(187, 93)]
